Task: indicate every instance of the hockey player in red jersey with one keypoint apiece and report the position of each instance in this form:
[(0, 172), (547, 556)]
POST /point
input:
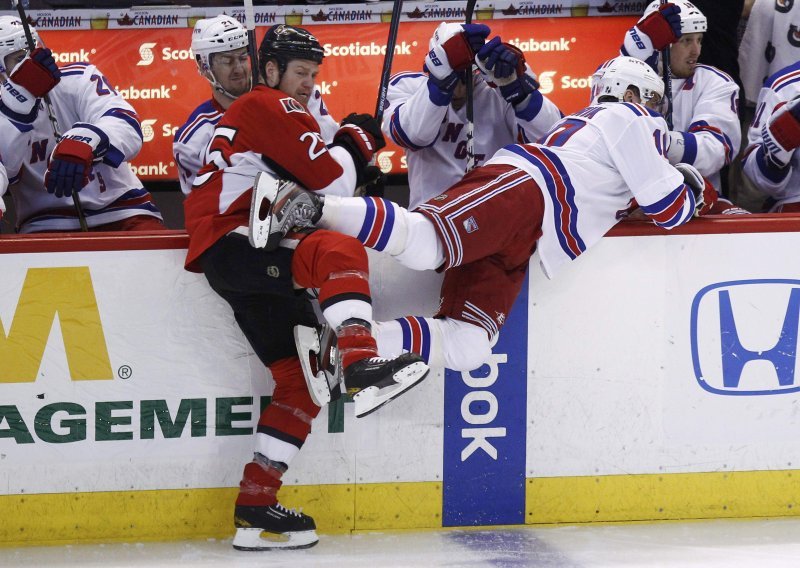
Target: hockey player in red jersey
[(558, 196), (265, 135), (219, 45)]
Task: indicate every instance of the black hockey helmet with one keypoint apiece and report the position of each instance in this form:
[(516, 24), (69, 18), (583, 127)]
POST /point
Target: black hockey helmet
[(283, 43)]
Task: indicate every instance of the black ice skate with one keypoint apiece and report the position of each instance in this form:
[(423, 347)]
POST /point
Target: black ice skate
[(375, 381), (269, 528), (292, 208)]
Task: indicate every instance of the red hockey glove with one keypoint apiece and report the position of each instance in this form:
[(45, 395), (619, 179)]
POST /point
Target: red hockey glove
[(451, 50), (368, 123), (358, 139), (37, 73), (663, 26), (705, 196)]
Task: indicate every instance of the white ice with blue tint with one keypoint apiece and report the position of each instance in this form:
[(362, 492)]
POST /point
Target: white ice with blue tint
[(703, 544)]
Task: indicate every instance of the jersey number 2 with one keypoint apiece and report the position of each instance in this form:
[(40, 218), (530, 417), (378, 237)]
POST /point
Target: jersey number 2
[(316, 145), (103, 86)]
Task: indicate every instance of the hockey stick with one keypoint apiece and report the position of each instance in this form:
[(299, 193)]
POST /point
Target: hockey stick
[(470, 110), (386, 72), (376, 188), (76, 200), (666, 76), (250, 24)]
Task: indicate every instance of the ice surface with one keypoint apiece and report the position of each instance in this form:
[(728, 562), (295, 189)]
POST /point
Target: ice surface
[(708, 544)]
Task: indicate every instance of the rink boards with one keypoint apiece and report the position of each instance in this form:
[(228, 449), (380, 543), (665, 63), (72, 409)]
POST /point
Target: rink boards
[(655, 378)]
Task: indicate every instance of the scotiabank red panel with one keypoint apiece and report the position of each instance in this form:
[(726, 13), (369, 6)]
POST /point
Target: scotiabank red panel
[(154, 69)]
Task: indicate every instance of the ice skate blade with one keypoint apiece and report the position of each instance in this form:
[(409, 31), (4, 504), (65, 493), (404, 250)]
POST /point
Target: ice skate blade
[(265, 189), (257, 539), (371, 399), (307, 342)]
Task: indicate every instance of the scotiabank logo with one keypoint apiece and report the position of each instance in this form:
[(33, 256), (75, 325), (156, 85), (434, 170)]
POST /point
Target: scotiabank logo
[(744, 337), (147, 129), (146, 56), (545, 79), (46, 293)]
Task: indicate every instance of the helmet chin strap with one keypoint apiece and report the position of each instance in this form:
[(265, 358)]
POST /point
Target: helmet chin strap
[(220, 89)]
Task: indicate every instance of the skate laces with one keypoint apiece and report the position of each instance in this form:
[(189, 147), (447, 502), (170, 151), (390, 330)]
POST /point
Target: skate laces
[(302, 215), (293, 512)]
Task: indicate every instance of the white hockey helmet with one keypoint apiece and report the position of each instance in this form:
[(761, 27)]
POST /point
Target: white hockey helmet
[(692, 19), (12, 38), (622, 72), (216, 35)]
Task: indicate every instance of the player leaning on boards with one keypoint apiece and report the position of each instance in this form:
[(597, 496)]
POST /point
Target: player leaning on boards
[(265, 133), (426, 112), (771, 159), (101, 133), (219, 45), (706, 132), (560, 195)]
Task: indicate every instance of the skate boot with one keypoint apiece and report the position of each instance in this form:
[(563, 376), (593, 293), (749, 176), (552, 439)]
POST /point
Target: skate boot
[(374, 381), (292, 208), (272, 527)]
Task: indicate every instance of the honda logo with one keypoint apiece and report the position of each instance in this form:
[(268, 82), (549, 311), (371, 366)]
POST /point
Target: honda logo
[(744, 337)]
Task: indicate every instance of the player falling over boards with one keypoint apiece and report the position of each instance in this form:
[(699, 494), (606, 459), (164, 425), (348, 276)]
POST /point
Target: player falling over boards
[(267, 132), (559, 196)]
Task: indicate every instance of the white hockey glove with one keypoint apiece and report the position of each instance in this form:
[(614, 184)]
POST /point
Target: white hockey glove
[(503, 66), (72, 159), (451, 50), (781, 134), (33, 77), (705, 196)]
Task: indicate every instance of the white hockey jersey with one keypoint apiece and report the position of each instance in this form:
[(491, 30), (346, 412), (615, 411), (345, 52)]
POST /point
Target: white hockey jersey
[(3, 188), (192, 139), (705, 109), (113, 192), (783, 185), (771, 41), (434, 136), (589, 168)]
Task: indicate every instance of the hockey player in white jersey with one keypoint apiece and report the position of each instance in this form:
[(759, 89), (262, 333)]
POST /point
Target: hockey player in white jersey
[(99, 133), (3, 188), (219, 45), (771, 160), (769, 43), (559, 196), (706, 132), (426, 112)]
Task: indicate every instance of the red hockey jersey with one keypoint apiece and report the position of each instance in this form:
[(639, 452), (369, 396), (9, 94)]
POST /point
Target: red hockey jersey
[(264, 130)]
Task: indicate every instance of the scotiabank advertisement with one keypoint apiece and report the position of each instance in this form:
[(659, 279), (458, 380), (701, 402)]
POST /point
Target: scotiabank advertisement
[(154, 68)]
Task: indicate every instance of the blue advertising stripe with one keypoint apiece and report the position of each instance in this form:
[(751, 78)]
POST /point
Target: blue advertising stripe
[(485, 432)]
